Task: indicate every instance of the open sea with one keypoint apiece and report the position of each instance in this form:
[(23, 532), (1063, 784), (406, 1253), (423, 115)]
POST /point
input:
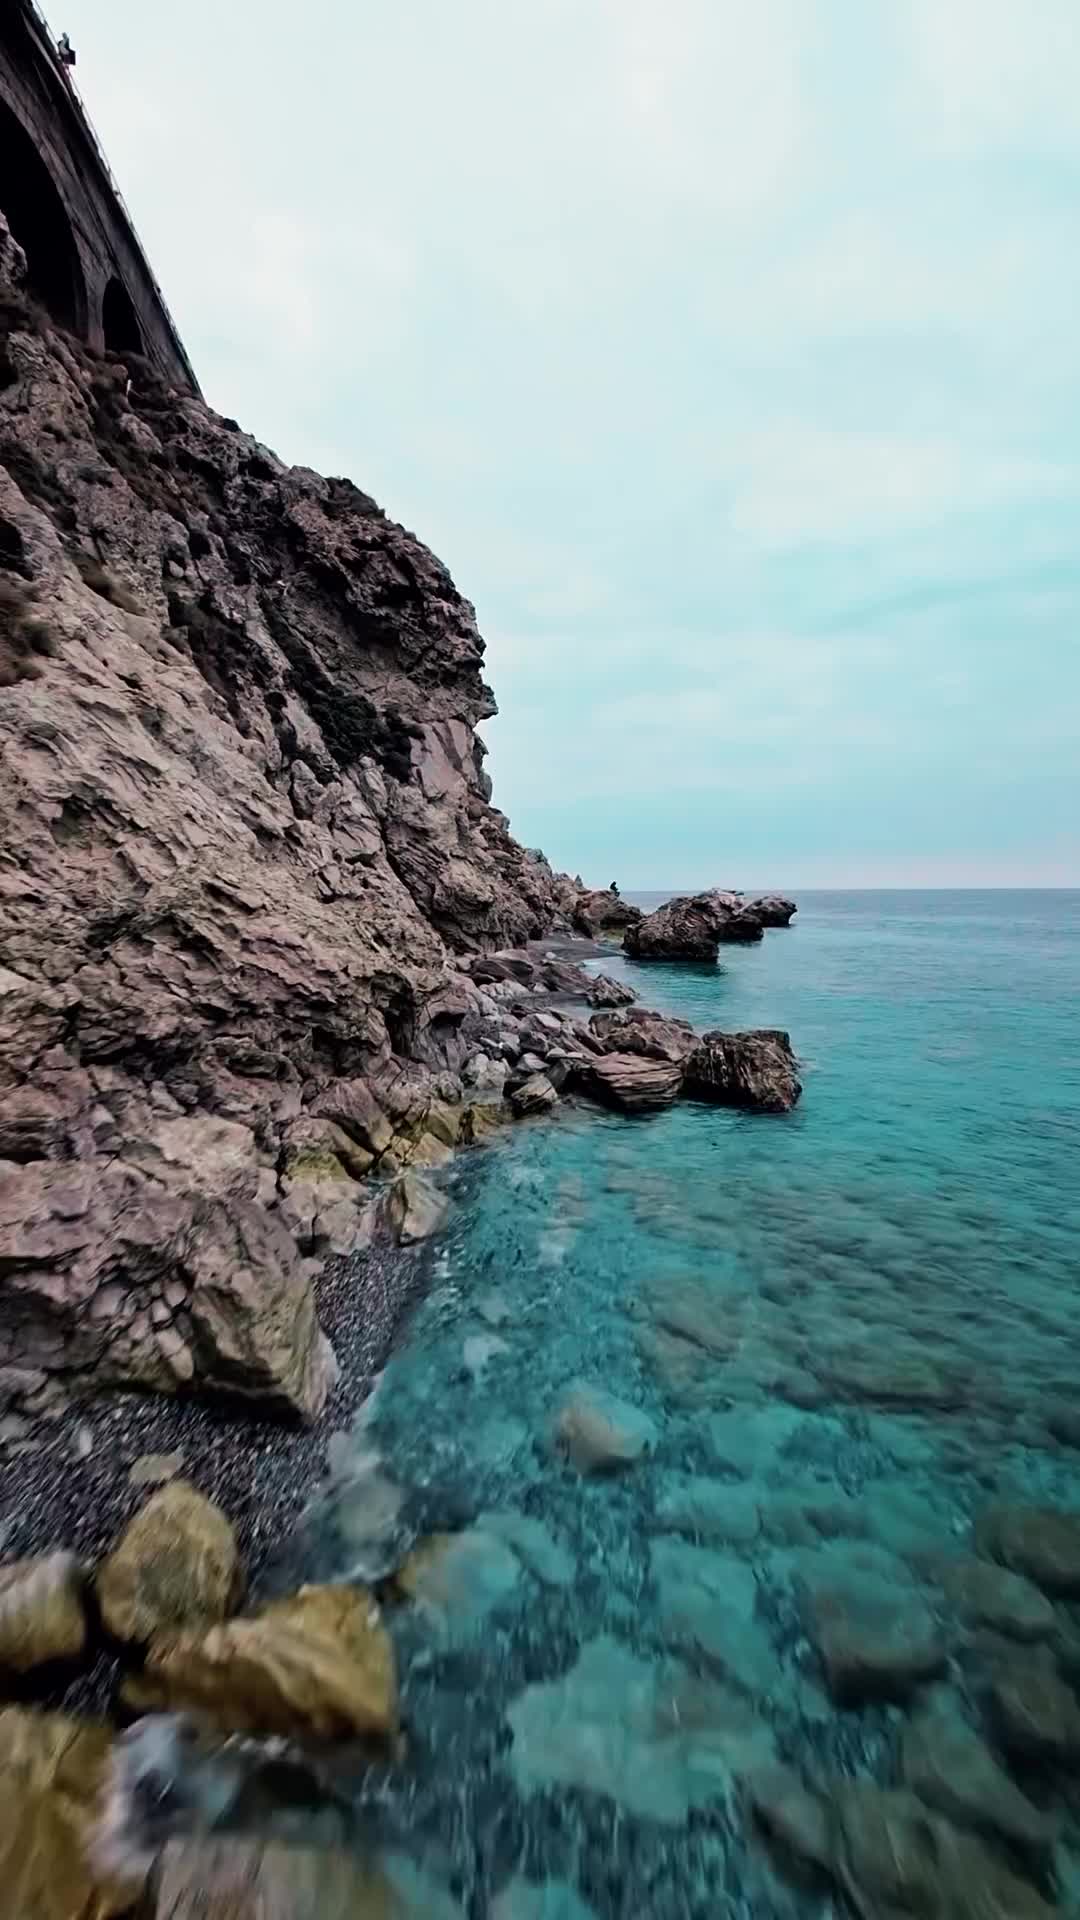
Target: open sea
[(827, 1346)]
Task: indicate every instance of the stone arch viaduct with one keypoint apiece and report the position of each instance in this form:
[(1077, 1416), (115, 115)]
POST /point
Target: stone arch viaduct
[(84, 261)]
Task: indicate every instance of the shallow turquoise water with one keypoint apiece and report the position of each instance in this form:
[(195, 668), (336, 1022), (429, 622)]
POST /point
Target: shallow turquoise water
[(847, 1329)]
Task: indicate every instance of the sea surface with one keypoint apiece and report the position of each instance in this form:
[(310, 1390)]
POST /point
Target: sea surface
[(833, 1339)]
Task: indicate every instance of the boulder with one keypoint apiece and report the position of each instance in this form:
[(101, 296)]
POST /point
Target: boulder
[(639, 1030), (41, 1611), (684, 929), (633, 1082), (795, 1819), (175, 1566), (236, 1878), (754, 1069), (534, 1095), (1041, 1542), (603, 910), (598, 1433), (415, 1209), (318, 1664), (892, 1856), (772, 909), (54, 1772), (952, 1770), (606, 992), (990, 1596), (877, 1638), (1035, 1715)]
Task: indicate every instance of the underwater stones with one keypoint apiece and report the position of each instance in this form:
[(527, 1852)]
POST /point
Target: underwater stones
[(416, 1209), (457, 1578), (176, 1565), (885, 1373), (755, 1069), (706, 1603), (548, 1900), (747, 1439), (534, 1544), (1034, 1714), (892, 1856), (876, 1636), (53, 1770), (634, 1082), (606, 992), (990, 1596), (712, 1510), (795, 1819), (949, 1767), (598, 1433), (319, 1663), (660, 1741), (534, 1095), (41, 1611), (1040, 1542)]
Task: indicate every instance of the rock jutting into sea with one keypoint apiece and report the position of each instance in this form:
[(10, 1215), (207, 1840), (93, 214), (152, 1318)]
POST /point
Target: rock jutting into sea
[(694, 927)]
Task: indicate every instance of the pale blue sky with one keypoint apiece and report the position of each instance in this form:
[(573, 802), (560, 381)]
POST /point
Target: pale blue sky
[(726, 350)]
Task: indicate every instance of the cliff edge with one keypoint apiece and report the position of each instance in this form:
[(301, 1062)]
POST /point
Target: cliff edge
[(246, 831)]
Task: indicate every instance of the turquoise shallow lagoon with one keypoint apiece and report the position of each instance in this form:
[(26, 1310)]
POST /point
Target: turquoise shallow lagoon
[(829, 1345)]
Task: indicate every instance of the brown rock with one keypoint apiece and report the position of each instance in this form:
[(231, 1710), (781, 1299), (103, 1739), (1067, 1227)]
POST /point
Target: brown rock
[(893, 1857), (41, 1611), (176, 1565), (638, 1030), (683, 929), (772, 909), (1040, 1542), (238, 1879), (755, 1069), (1034, 1713), (53, 1771), (534, 1095), (795, 1819), (319, 1663), (416, 1209), (875, 1643), (950, 1768), (634, 1083), (603, 991), (990, 1596)]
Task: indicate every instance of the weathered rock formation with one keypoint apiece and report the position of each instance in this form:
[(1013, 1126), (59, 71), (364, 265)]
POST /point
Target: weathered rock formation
[(693, 927), (772, 909), (247, 834), (754, 1069), (603, 910)]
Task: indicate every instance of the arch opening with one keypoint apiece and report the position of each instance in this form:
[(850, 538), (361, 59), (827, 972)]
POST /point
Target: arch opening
[(35, 213), (120, 326)]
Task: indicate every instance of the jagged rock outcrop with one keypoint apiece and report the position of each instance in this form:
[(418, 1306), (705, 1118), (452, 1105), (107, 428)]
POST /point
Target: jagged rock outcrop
[(773, 909), (693, 927), (753, 1069), (247, 831), (601, 910)]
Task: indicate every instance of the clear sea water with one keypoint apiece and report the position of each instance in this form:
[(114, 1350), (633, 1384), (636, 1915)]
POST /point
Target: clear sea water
[(848, 1330)]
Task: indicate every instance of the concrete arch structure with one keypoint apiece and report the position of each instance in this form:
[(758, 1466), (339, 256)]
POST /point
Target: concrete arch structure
[(84, 260)]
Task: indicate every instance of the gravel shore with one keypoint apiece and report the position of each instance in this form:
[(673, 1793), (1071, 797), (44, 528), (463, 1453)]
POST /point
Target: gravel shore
[(69, 1485)]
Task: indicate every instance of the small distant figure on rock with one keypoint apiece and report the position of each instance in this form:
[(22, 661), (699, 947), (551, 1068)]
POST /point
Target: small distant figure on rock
[(65, 52), (614, 889)]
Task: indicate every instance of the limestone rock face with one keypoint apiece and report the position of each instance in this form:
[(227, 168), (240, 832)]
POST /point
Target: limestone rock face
[(53, 1772), (319, 1663), (41, 1611), (176, 1566), (246, 827), (754, 1069)]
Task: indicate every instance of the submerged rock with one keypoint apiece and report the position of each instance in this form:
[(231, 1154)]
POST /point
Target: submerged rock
[(53, 1771), (41, 1611), (892, 1856), (754, 1069), (950, 1768), (457, 1578), (319, 1664), (1041, 1542), (175, 1566), (794, 1818), (876, 1636), (599, 1433), (991, 1596)]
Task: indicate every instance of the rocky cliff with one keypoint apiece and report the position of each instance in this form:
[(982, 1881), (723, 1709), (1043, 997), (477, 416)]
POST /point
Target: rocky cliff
[(246, 832)]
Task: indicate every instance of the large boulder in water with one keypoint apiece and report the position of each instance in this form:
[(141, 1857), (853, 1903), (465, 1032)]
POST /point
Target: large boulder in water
[(639, 1030), (635, 1082), (693, 927), (773, 909), (753, 1069)]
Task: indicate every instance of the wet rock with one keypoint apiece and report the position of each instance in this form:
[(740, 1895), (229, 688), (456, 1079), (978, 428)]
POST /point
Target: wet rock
[(634, 1083), (754, 1069), (534, 1095), (950, 1768), (1040, 1542), (547, 1558), (707, 1605), (175, 1565), (893, 1857), (1034, 1714), (416, 1209), (638, 1030), (659, 1740), (606, 992), (876, 1636), (53, 1770), (711, 1510), (772, 909), (888, 1374), (793, 1817), (318, 1664), (41, 1611), (457, 1578), (599, 1433), (991, 1596)]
